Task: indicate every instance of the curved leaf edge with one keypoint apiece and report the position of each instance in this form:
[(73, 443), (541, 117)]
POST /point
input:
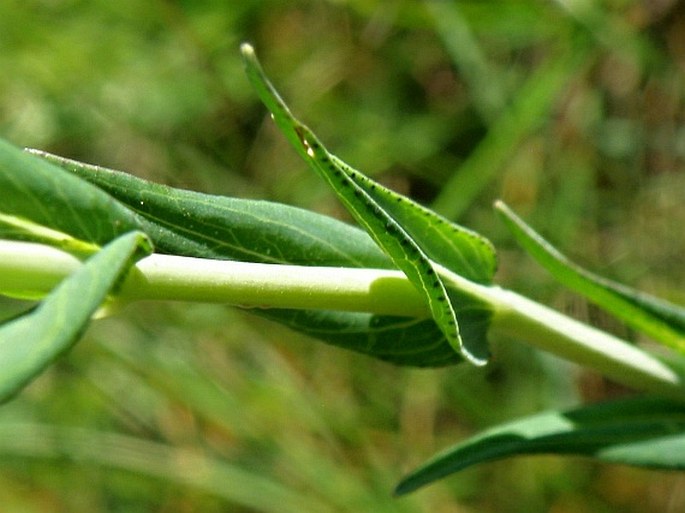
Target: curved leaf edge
[(367, 201), (647, 431)]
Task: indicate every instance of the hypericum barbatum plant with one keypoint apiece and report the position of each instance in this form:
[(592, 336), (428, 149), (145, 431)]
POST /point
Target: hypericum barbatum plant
[(411, 288)]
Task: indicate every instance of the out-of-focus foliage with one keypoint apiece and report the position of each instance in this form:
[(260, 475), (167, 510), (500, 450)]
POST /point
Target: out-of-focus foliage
[(570, 111)]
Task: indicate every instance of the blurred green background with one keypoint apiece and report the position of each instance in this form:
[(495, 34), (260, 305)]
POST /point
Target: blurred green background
[(571, 111)]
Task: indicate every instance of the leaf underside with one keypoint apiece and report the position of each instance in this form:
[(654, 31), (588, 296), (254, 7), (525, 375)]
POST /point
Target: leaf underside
[(644, 431)]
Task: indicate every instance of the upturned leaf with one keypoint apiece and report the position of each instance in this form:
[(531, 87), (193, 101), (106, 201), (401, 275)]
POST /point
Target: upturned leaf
[(413, 237)]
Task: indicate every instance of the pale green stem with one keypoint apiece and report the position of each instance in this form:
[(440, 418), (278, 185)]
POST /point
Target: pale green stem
[(33, 269), (517, 316)]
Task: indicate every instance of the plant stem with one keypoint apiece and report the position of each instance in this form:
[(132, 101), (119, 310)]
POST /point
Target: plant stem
[(255, 285), (32, 269), (526, 320), (29, 269)]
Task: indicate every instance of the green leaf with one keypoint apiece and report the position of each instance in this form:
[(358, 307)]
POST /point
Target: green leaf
[(43, 203), (413, 237), (663, 321), (644, 431), (399, 340), (189, 223), (201, 225), (29, 344)]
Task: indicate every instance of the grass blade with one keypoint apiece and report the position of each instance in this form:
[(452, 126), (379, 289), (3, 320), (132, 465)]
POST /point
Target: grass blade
[(529, 108), (184, 467), (469, 58)]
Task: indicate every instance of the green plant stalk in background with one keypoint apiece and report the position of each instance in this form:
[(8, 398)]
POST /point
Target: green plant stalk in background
[(30, 269)]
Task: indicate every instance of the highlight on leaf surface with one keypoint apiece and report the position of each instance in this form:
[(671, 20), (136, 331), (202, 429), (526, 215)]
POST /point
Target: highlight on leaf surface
[(413, 237)]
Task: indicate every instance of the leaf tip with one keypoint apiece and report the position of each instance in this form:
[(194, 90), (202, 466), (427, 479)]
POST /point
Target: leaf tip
[(506, 213), (404, 487), (501, 207), (247, 50)]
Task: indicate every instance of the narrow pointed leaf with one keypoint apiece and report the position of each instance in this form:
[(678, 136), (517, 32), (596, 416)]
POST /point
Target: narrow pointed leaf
[(410, 235), (30, 343), (394, 239), (663, 321), (644, 431), (207, 226)]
